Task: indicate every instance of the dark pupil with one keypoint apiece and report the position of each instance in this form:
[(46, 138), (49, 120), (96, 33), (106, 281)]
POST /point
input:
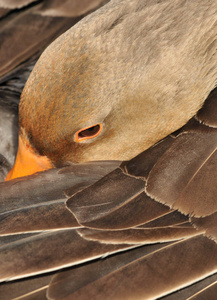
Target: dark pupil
[(89, 131)]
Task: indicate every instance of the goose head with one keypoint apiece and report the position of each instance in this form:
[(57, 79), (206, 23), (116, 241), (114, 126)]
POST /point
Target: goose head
[(116, 83)]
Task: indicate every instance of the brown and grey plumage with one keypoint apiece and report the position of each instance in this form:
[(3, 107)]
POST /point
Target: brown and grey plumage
[(145, 229), (19, 43), (167, 250), (154, 44)]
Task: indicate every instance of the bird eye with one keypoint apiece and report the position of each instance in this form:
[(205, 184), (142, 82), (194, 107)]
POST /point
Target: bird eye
[(88, 133)]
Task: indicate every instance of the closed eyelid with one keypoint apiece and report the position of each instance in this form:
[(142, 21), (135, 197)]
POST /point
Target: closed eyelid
[(88, 132)]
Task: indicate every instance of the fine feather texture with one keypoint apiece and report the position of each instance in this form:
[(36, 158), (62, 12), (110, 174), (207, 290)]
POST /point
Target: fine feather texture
[(42, 30), (63, 8), (140, 229), (208, 293), (69, 8), (199, 156), (134, 286), (207, 115), (155, 223), (160, 78), (12, 4), (45, 208), (8, 123)]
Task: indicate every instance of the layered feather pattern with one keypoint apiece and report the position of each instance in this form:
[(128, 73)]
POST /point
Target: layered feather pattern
[(138, 229), (145, 230)]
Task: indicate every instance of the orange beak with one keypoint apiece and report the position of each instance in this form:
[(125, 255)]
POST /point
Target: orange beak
[(27, 162)]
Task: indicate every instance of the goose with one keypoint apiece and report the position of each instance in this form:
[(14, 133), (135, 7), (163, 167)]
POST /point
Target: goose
[(133, 82)]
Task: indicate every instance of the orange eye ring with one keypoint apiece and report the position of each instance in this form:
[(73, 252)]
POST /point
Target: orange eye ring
[(88, 132)]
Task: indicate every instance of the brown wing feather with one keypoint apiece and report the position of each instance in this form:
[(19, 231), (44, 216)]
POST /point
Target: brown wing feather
[(82, 276), (12, 4), (180, 165), (123, 189), (19, 45), (172, 218), (25, 286), (69, 8), (208, 224), (39, 232), (52, 250), (198, 198), (3, 12), (154, 275), (138, 210), (207, 114), (209, 292)]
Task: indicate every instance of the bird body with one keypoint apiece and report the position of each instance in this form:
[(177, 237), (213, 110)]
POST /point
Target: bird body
[(142, 69), (122, 81)]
